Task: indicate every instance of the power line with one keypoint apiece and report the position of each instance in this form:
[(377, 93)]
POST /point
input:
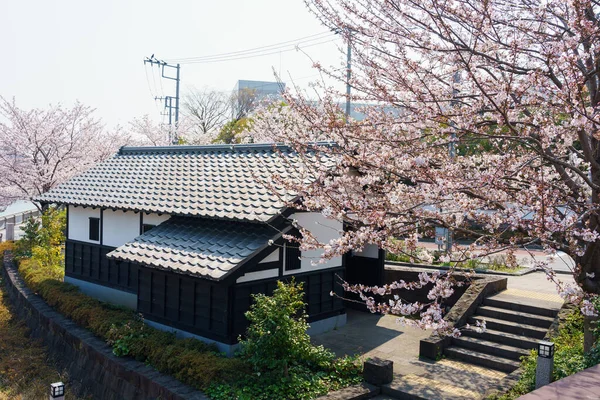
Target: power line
[(274, 48), (168, 99), (278, 51), (150, 88)]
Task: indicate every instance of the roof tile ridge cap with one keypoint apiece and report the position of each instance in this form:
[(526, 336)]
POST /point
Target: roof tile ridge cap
[(212, 147), (209, 147)]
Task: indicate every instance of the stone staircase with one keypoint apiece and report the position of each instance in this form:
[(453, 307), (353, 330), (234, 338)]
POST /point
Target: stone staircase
[(513, 327)]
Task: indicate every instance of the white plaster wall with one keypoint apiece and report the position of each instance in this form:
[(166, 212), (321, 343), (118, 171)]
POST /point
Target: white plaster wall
[(103, 293), (323, 229), (258, 275), (79, 223), (274, 256), (119, 227), (155, 219), (369, 251)]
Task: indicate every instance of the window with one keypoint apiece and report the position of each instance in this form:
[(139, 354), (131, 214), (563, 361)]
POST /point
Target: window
[(292, 257), (147, 227), (95, 229)]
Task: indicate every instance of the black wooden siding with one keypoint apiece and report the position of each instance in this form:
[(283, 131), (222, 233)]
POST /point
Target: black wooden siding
[(317, 288), (364, 270), (210, 309), (184, 302), (87, 261)]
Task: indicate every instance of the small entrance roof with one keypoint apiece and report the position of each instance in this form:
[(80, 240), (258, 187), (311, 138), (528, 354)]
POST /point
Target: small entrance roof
[(205, 248)]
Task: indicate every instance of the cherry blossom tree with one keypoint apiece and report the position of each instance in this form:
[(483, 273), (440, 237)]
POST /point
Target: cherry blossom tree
[(495, 135), (41, 148), (146, 132)]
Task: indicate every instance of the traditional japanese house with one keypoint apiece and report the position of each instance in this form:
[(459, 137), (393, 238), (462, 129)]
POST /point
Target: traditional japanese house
[(185, 234)]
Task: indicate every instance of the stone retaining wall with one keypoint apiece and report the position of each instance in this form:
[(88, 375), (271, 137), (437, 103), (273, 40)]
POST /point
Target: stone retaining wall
[(87, 359)]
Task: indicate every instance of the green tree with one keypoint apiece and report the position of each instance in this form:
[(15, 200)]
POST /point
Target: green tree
[(30, 238), (43, 240), (230, 132), (276, 337)]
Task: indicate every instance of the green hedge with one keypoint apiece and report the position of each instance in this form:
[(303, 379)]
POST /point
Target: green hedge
[(191, 361)]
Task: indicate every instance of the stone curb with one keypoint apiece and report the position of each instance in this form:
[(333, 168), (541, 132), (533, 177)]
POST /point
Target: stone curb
[(355, 392), (88, 359)]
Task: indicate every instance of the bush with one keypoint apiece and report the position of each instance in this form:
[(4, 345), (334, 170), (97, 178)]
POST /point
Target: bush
[(4, 246), (191, 361), (286, 365), (276, 337)]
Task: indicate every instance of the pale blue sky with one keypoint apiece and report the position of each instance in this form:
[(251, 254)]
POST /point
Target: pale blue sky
[(63, 50)]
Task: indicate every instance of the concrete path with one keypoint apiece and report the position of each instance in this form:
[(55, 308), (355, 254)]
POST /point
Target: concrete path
[(371, 335)]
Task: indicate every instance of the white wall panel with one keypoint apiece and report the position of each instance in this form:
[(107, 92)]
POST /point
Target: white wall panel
[(258, 275), (273, 257), (120, 227), (155, 219), (79, 223), (323, 229), (369, 251)]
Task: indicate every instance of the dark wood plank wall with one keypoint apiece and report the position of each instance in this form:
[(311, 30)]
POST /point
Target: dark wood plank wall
[(87, 261), (317, 288), (197, 305), (184, 302), (365, 270), (368, 271)]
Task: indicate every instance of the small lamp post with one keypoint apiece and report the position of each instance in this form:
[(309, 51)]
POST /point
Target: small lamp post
[(57, 391), (545, 363)]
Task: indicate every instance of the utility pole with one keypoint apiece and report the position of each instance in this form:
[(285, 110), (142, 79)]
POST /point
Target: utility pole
[(348, 73), (173, 136), (452, 148)]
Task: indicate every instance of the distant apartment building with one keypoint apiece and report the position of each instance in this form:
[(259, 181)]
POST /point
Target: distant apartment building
[(356, 109), (247, 95)]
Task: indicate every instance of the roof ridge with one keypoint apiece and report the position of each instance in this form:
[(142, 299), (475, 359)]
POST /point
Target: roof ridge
[(210, 147)]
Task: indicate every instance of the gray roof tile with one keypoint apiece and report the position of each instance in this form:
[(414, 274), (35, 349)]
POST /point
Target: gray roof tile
[(206, 248), (220, 181)]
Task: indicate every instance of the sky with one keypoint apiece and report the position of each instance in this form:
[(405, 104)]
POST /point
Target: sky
[(62, 51)]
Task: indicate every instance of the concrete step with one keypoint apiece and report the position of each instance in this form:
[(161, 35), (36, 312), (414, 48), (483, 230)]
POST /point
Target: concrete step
[(519, 305), (414, 387), (483, 359), (510, 327), (515, 316), (487, 347), (509, 339)]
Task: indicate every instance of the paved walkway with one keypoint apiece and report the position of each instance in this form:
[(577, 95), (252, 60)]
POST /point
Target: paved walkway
[(371, 335)]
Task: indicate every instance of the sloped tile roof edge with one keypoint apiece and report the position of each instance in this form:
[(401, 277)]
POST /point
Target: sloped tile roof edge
[(207, 277)]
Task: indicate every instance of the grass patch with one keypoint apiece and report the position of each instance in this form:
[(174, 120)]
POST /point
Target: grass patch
[(25, 371)]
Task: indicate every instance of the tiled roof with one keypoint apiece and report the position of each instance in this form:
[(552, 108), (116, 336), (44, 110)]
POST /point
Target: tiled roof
[(207, 248), (219, 181)]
